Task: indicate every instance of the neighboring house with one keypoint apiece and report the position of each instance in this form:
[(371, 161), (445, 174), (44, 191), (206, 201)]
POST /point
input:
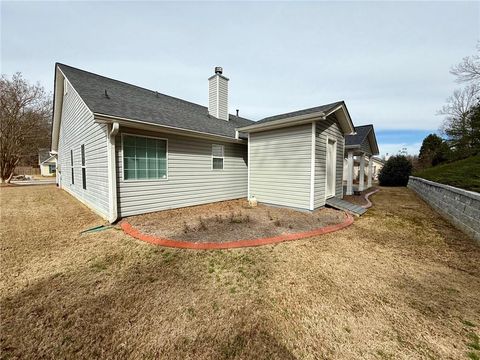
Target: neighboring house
[(362, 144), (124, 150), (47, 163), (377, 165)]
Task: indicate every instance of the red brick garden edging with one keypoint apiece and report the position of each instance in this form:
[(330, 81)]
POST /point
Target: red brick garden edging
[(130, 230), (369, 203)]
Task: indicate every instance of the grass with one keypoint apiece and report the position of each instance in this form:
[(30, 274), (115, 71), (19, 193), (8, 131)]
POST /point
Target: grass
[(380, 289), (464, 174)]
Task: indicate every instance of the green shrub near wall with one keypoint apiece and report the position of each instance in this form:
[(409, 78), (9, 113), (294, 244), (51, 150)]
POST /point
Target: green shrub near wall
[(395, 172)]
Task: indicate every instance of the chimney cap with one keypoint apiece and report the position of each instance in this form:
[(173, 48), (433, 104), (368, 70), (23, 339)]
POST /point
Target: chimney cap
[(218, 70)]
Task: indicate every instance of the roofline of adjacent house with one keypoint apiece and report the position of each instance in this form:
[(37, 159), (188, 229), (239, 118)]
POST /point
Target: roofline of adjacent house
[(47, 159), (138, 124)]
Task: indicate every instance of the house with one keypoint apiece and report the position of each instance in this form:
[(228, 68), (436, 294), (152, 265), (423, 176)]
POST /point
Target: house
[(47, 163), (124, 150), (362, 144), (377, 165)]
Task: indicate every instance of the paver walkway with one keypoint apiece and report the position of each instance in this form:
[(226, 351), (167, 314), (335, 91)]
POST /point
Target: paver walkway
[(340, 204)]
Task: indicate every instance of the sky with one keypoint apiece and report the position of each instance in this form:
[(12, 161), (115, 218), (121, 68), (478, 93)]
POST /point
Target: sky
[(389, 61)]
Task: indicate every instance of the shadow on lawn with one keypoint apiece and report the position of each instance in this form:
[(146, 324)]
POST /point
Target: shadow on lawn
[(168, 304)]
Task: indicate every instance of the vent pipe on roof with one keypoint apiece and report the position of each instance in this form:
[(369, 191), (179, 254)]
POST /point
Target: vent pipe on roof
[(237, 112), (218, 95)]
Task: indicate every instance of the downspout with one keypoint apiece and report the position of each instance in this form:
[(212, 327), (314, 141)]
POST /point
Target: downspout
[(112, 172)]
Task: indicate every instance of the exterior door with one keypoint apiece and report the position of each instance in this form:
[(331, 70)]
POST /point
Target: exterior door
[(331, 167)]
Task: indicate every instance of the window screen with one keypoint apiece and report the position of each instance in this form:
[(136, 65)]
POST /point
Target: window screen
[(217, 157), (144, 158)]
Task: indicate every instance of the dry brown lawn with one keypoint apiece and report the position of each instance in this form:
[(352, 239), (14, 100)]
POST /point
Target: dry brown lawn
[(231, 221), (400, 283)]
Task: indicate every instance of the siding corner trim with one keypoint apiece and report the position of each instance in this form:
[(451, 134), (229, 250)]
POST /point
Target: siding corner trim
[(312, 167)]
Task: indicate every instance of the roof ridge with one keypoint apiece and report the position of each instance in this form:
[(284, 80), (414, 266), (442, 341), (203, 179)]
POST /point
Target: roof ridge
[(133, 85), (306, 109)]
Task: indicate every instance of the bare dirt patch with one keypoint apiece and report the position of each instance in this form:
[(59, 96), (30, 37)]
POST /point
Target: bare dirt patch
[(400, 283), (231, 221)]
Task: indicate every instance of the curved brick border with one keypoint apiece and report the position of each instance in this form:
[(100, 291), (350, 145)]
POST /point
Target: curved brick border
[(130, 230), (369, 203)]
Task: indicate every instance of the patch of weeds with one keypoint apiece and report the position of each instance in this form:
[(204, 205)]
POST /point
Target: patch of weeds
[(168, 256), (215, 306), (277, 223), (468, 323), (473, 356), (246, 259), (347, 329), (383, 354), (99, 265), (234, 347), (290, 226), (239, 218), (474, 341), (211, 266), (241, 271), (233, 290), (219, 219), (191, 312)]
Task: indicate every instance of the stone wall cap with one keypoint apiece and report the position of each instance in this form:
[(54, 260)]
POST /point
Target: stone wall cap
[(470, 194)]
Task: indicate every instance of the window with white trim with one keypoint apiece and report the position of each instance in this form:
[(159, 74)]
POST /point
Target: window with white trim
[(144, 158), (84, 170), (217, 157)]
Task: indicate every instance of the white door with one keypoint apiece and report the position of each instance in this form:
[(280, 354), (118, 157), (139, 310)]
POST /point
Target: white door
[(331, 167)]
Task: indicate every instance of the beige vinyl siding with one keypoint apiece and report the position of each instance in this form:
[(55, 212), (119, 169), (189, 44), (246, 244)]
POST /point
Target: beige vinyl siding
[(190, 177), (77, 127), (223, 99), (327, 128), (280, 162)]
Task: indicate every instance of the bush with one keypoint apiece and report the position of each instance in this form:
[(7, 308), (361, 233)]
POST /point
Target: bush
[(395, 172)]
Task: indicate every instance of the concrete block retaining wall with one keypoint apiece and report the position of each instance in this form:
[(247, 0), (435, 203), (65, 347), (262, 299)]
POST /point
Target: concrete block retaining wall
[(461, 207)]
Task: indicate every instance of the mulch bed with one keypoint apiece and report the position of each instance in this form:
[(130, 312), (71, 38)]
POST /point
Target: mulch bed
[(231, 221), (359, 199)]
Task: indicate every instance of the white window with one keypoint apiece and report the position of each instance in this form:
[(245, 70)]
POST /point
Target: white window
[(217, 157), (144, 158)]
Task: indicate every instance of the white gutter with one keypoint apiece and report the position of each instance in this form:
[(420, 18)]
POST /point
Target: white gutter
[(112, 172), (108, 119)]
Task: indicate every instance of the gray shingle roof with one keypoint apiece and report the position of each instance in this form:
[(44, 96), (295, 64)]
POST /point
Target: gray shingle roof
[(325, 108), (43, 154), (359, 137), (136, 103)]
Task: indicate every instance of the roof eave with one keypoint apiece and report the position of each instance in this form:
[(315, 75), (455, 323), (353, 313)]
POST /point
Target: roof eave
[(345, 120), (138, 124)]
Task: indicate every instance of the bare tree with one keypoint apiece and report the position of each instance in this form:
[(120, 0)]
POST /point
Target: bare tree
[(25, 115), (468, 71), (461, 124)]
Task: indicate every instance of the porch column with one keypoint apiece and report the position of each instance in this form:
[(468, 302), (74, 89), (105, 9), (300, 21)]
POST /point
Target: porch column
[(370, 169), (361, 180), (350, 173)]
